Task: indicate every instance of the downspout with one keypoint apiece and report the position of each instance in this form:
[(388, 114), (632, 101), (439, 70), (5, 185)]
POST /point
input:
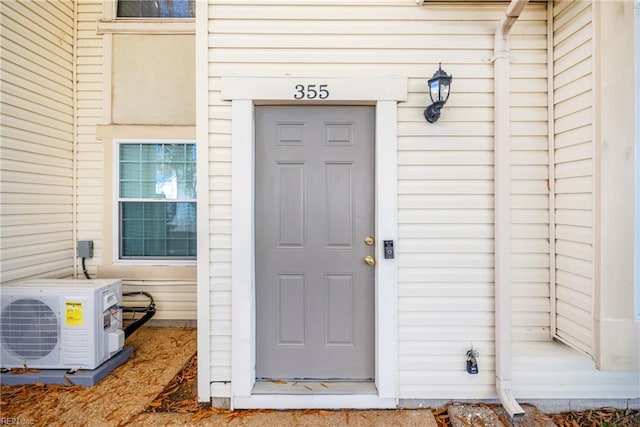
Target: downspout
[(502, 197)]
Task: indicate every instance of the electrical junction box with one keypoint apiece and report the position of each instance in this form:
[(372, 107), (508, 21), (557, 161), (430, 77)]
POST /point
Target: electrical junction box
[(85, 248)]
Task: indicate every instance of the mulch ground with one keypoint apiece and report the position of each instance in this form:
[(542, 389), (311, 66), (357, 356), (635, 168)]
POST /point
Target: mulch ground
[(180, 395), (158, 387)]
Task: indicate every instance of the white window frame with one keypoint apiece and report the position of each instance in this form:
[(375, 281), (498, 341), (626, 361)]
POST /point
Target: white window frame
[(110, 23), (117, 260)]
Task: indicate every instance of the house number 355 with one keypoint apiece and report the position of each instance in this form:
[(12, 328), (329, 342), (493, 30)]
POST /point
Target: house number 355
[(311, 92)]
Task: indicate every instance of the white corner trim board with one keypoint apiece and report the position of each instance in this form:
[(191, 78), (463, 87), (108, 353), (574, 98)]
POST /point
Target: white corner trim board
[(245, 92)]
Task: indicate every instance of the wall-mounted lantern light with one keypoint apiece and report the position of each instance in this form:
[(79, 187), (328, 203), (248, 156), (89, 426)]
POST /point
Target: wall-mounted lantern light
[(439, 86)]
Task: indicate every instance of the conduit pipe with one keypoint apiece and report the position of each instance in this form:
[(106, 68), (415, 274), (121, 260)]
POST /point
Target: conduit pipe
[(502, 197)]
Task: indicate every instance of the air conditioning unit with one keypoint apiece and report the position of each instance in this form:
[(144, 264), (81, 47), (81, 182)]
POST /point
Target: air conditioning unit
[(60, 324)]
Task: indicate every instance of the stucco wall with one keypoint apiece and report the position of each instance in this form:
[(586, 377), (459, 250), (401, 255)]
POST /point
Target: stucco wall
[(153, 79)]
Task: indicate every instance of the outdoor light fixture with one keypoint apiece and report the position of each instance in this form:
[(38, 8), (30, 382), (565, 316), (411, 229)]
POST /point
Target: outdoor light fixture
[(439, 86)]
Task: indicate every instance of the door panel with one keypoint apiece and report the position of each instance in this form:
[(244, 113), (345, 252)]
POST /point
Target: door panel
[(314, 206)]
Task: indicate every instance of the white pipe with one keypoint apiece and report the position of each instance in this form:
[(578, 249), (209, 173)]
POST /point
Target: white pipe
[(502, 197)]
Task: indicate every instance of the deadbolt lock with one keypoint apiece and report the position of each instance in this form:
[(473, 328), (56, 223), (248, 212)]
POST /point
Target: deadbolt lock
[(369, 241)]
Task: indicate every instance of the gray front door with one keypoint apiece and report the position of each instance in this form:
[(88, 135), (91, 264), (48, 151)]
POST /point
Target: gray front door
[(314, 207)]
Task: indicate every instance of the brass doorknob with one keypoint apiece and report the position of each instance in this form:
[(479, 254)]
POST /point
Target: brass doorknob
[(370, 261), (369, 240)]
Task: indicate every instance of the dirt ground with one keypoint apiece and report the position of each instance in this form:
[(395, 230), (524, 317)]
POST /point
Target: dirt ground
[(157, 387)]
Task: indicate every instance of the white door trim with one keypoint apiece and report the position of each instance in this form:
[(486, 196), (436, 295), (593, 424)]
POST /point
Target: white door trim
[(244, 92)]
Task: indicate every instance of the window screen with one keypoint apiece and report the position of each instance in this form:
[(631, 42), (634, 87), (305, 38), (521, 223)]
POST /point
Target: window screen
[(157, 200), (156, 9)]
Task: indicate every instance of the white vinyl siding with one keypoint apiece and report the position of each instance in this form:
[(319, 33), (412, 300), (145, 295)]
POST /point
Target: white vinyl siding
[(574, 165), (37, 135), (90, 95), (445, 247), (175, 299)]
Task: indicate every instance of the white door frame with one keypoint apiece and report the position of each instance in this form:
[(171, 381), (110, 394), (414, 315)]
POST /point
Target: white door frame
[(244, 93)]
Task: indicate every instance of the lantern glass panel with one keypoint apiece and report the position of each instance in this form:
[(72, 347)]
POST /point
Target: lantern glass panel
[(434, 90), (445, 85)]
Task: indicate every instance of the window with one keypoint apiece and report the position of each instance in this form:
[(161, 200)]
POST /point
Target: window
[(156, 200), (156, 9)]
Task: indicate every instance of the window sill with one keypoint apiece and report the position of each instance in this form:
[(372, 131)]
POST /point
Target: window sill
[(140, 271), (147, 26)]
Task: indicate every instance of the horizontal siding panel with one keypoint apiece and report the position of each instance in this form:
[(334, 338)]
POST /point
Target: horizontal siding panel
[(574, 265), (575, 217), (89, 86), (444, 290), (54, 20), (175, 300), (10, 265), (452, 245), (16, 154), (581, 184), (34, 239), (33, 114), (527, 201), (444, 172), (566, 12), (36, 128), (583, 201), (574, 249), (445, 260), (459, 187), (437, 231), (574, 332), (571, 82), (306, 11), (445, 158), (444, 142), (574, 169), (25, 57), (578, 118), (576, 81), (37, 138), (570, 106), (443, 275), (533, 245), (402, 27), (444, 201), (457, 216), (343, 56), (454, 333), (581, 34), (566, 295), (574, 281), (574, 233), (49, 54), (360, 41), (22, 88)]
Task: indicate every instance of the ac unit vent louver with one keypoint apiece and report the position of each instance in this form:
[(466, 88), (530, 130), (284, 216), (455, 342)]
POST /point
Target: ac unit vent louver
[(29, 329)]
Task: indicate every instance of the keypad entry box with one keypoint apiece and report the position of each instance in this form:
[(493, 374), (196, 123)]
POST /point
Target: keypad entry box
[(389, 252)]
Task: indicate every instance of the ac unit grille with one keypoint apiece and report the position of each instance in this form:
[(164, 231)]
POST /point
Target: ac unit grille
[(29, 329)]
